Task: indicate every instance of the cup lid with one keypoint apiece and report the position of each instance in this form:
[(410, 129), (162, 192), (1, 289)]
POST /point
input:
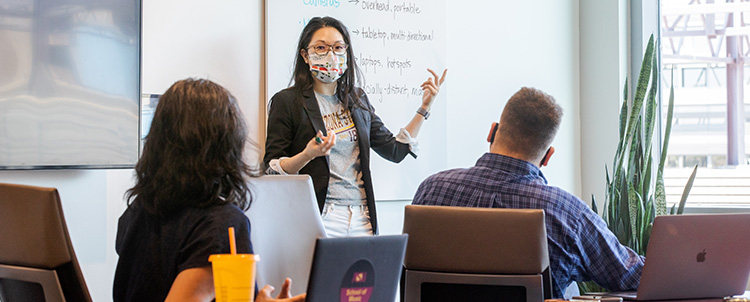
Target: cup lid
[(246, 257)]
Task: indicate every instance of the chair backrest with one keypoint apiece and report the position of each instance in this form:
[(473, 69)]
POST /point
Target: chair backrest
[(37, 261), (285, 222), (478, 241)]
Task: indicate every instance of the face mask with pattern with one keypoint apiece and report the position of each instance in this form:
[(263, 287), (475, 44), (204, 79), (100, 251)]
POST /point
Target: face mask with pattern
[(327, 68)]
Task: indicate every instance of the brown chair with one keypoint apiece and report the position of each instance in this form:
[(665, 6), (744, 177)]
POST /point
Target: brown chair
[(475, 254), (37, 261)]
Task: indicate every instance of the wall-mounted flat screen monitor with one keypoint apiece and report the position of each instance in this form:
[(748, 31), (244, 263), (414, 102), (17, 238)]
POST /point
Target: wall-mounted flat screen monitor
[(69, 83)]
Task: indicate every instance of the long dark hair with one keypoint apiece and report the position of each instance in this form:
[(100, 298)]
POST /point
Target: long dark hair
[(346, 90), (192, 157)]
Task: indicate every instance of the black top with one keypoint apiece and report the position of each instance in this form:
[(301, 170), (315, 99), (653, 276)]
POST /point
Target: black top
[(154, 250), (293, 120)]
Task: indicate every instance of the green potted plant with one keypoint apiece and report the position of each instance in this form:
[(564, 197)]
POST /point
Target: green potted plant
[(633, 197)]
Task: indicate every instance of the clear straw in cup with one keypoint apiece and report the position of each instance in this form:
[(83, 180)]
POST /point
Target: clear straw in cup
[(234, 274)]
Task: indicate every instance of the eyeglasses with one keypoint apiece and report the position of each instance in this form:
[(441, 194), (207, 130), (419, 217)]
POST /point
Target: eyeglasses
[(323, 49)]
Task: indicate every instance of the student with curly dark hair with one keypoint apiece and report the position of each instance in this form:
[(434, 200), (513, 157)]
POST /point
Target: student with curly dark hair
[(191, 186)]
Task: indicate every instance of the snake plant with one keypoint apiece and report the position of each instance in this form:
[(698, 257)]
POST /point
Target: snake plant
[(633, 197)]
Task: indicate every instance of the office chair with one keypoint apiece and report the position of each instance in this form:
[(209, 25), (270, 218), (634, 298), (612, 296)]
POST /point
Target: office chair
[(475, 254), (37, 261)]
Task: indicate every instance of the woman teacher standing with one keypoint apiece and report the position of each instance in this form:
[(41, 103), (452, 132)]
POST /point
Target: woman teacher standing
[(324, 126)]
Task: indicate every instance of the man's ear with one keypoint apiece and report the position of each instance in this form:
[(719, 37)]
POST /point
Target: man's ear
[(545, 159), (491, 135)]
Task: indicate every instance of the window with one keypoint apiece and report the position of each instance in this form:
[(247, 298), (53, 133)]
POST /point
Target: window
[(705, 45)]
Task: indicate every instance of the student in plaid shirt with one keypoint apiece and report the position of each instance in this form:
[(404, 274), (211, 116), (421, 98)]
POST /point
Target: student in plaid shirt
[(581, 247)]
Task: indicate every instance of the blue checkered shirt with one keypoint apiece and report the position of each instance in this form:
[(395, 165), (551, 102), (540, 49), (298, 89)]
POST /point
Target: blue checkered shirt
[(581, 247)]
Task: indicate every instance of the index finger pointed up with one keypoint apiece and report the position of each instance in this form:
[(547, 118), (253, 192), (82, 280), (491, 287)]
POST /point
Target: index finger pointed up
[(442, 78), (437, 78)]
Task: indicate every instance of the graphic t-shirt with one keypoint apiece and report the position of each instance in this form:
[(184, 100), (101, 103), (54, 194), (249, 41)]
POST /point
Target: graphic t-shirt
[(345, 186)]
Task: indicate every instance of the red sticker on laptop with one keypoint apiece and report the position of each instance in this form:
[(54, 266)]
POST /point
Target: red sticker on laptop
[(358, 282)]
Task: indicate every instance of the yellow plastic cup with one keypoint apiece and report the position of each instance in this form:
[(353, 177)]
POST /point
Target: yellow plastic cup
[(234, 276)]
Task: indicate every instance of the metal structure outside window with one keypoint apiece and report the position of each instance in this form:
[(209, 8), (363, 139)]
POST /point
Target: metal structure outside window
[(706, 44)]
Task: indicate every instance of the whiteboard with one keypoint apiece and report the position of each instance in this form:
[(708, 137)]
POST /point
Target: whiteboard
[(394, 43)]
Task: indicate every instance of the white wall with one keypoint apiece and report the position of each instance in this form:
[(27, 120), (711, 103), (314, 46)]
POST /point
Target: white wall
[(494, 49), (603, 65), (219, 40)]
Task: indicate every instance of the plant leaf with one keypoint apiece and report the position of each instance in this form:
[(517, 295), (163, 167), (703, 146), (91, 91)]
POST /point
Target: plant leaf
[(660, 195), (651, 107), (623, 216), (612, 208), (607, 196), (668, 130), (641, 87), (590, 287), (639, 220), (633, 157), (634, 205), (624, 112), (686, 191), (648, 129), (646, 237), (625, 96), (622, 145), (646, 183), (593, 204), (648, 221)]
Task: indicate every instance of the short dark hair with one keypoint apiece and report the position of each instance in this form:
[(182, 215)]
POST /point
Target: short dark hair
[(192, 156), (529, 122), (303, 80)]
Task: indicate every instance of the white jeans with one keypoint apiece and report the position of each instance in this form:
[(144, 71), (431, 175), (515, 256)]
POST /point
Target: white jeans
[(346, 221)]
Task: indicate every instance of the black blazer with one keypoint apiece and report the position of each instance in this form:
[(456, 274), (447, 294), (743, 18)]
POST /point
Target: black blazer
[(293, 120)]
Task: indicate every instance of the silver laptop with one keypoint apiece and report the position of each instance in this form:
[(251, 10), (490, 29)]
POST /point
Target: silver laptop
[(285, 222), (695, 257)]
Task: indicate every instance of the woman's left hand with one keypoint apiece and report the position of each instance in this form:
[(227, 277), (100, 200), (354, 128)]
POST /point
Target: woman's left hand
[(431, 87), (264, 295)]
